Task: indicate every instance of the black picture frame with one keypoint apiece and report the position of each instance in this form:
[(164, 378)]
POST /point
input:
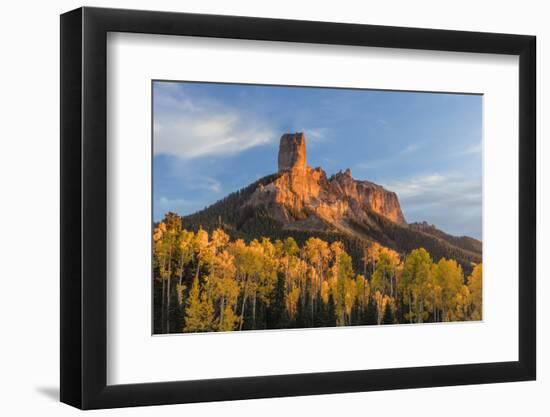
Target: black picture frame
[(84, 207)]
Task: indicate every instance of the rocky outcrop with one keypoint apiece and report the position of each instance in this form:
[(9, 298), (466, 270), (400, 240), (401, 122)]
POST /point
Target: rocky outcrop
[(292, 152), (302, 197), (376, 197), (302, 202)]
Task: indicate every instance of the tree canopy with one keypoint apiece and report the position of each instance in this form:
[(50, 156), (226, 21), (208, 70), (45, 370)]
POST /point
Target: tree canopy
[(206, 282)]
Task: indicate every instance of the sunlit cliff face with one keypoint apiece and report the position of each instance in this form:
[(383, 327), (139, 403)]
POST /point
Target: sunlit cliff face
[(303, 197), (292, 152)]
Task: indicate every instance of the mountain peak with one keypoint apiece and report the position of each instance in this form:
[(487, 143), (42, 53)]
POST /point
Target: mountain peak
[(301, 197), (292, 152), (302, 201)]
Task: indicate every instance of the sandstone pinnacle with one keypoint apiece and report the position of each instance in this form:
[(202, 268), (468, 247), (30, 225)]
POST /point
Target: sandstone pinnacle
[(292, 152)]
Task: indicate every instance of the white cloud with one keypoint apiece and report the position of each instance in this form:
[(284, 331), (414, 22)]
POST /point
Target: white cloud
[(436, 190), (391, 160), (174, 204), (410, 148), (315, 135), (450, 201), (205, 183), (188, 128), (471, 150), (416, 186)]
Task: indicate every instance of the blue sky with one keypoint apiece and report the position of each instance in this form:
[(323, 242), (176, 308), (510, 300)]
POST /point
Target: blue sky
[(212, 139)]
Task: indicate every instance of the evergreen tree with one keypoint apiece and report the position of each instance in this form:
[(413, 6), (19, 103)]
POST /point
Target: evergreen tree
[(370, 316), (388, 315)]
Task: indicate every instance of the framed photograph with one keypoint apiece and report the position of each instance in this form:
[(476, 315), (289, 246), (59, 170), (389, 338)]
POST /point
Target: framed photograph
[(258, 208)]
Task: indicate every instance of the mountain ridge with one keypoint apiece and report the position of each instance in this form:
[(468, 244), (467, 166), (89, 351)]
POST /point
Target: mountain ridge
[(302, 202)]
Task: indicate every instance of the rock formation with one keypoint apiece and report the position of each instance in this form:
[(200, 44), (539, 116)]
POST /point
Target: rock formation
[(302, 197), (301, 201), (292, 152)]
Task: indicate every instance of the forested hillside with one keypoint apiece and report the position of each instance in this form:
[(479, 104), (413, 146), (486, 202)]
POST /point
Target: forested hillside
[(211, 279), (244, 221), (299, 249)]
